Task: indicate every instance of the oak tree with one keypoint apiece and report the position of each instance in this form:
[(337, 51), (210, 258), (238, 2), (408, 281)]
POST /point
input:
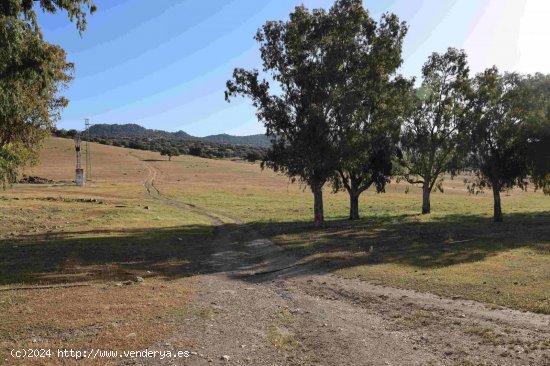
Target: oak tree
[(171, 151)]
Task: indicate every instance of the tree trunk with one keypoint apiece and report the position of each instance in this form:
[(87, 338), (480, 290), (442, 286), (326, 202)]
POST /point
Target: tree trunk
[(426, 209), (353, 205), (318, 213), (497, 215), (169, 158)]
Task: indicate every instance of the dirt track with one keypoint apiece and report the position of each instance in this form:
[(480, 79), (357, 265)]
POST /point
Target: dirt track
[(258, 307)]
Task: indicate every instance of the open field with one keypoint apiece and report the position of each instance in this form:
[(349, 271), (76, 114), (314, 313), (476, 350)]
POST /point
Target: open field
[(96, 238), (456, 251), (143, 216)]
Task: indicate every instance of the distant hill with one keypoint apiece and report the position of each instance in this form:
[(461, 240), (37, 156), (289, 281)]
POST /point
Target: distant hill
[(134, 136), (132, 130), (252, 140)]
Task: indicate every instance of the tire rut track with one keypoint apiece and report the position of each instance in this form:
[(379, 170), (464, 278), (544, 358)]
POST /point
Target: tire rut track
[(336, 321), (154, 192)]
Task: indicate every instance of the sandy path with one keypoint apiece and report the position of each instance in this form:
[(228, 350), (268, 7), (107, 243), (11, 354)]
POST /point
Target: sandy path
[(256, 314)]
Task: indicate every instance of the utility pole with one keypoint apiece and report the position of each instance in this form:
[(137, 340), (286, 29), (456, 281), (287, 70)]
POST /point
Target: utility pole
[(80, 178), (87, 124)]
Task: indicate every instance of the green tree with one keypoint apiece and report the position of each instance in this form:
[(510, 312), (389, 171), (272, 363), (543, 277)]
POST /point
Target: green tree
[(170, 151), (539, 159), (368, 97), (298, 114), (499, 134), (32, 74), (196, 151), (538, 104), (253, 156), (76, 10), (433, 136)]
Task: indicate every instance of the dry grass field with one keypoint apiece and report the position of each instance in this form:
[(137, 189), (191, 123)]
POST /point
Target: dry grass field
[(111, 231), (96, 238), (457, 251)]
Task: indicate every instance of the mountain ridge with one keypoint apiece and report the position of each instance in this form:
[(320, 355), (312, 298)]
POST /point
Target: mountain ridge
[(133, 130)]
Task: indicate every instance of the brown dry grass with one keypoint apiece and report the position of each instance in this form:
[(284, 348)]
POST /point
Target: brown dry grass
[(94, 235), (109, 164), (48, 235), (101, 316)]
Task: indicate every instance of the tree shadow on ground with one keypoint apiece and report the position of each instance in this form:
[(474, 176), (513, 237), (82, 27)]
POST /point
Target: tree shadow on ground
[(443, 241), (104, 255), (182, 251)]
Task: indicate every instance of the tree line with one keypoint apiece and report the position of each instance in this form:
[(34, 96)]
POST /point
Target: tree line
[(339, 113), (173, 145)]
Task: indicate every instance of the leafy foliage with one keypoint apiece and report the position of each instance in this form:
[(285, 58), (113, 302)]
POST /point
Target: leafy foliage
[(300, 57), (499, 135), (370, 100), (539, 153), (32, 73), (170, 152), (254, 156), (24, 9), (9, 163), (251, 140), (433, 136), (538, 106)]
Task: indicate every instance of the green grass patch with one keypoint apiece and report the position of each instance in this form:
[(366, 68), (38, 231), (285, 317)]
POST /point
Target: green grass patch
[(451, 254)]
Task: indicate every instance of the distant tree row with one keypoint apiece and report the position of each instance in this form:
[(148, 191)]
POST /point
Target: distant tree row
[(172, 146), (341, 115)]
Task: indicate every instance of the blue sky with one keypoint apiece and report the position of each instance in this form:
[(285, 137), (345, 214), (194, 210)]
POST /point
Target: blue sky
[(163, 64)]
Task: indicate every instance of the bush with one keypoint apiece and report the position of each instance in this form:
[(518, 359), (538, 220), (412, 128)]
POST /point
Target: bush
[(253, 156), (195, 151)]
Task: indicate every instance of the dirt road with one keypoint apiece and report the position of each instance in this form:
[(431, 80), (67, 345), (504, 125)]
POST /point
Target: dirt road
[(258, 306)]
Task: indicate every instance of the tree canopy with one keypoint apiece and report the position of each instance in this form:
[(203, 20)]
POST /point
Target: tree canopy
[(32, 75), (538, 108), (299, 114), (171, 151), (370, 98), (499, 134), (433, 137), (76, 10)]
